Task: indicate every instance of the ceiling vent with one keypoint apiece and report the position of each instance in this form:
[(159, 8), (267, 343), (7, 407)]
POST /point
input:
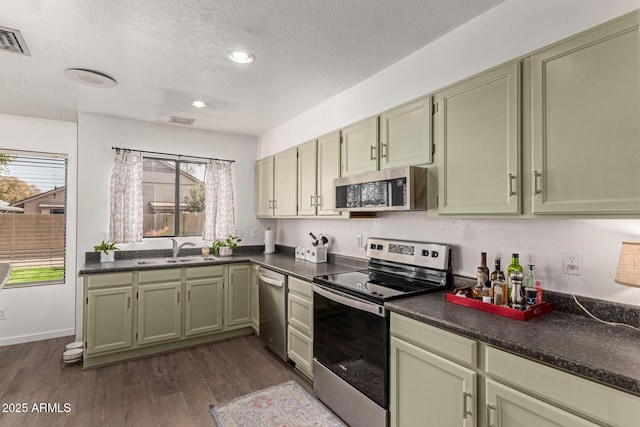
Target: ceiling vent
[(181, 120), (12, 41)]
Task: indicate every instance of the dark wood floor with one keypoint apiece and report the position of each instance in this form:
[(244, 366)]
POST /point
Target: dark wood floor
[(173, 389)]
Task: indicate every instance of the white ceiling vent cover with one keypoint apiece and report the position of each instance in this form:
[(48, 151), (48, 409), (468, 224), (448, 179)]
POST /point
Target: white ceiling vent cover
[(181, 120), (11, 41)]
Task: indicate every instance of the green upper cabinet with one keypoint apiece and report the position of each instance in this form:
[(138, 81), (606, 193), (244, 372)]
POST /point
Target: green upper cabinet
[(359, 151), (328, 170), (285, 194), (307, 178), (405, 135), (586, 122), (264, 187), (318, 166), (478, 141)]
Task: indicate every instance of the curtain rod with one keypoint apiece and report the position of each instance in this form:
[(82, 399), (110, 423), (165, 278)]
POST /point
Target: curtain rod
[(179, 156)]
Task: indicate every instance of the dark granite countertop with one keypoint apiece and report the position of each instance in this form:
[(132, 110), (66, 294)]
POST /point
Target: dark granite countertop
[(576, 344), (286, 264)]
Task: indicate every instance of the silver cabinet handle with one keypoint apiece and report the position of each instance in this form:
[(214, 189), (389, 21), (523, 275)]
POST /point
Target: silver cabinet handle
[(270, 204), (128, 302), (536, 175), (490, 407), (511, 178), (384, 151), (465, 409), (371, 150), (311, 197), (189, 296), (318, 199), (274, 204), (178, 297)]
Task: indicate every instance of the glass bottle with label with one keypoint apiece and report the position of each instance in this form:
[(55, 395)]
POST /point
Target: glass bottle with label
[(499, 285), (514, 266), (478, 288), (530, 292), (484, 268)]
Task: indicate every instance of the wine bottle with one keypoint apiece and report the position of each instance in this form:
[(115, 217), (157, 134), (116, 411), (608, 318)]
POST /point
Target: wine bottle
[(484, 268), (514, 266)]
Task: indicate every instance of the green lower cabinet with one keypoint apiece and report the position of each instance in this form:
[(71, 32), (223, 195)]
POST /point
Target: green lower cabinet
[(429, 390), (239, 303), (509, 407), (255, 300), (159, 312), (109, 319), (204, 307)]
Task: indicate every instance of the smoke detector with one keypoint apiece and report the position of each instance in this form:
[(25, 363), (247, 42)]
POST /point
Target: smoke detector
[(12, 41), (90, 77)]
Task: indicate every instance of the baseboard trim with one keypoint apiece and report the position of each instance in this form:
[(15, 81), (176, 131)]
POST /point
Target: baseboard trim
[(21, 339)]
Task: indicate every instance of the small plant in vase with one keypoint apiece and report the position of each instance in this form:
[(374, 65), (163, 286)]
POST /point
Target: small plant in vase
[(107, 251), (225, 247)]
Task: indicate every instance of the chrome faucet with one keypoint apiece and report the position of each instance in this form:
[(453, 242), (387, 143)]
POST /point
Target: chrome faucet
[(176, 247)]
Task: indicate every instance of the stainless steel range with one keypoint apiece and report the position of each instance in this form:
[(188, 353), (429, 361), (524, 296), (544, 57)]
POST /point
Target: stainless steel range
[(351, 326)]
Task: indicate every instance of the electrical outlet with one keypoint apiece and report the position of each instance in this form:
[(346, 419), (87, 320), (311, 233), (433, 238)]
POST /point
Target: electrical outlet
[(359, 240), (254, 233), (3, 314), (571, 263)]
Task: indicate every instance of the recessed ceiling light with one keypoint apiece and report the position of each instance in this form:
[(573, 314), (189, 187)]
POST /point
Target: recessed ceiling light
[(91, 78), (199, 104), (241, 57)]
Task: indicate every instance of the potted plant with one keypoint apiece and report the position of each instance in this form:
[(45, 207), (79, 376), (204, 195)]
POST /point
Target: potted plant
[(107, 251), (225, 247)]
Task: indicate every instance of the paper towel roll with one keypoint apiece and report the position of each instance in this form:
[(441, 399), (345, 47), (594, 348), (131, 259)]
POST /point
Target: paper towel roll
[(269, 244)]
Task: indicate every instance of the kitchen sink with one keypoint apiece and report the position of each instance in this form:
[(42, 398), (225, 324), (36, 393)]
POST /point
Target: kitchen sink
[(179, 260)]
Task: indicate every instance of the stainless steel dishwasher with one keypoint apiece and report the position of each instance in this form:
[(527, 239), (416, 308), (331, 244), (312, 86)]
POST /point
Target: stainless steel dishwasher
[(273, 310)]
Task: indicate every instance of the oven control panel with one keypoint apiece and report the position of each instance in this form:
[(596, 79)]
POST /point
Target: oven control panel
[(423, 254)]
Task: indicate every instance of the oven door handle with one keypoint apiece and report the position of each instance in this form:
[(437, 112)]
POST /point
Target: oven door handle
[(350, 301)]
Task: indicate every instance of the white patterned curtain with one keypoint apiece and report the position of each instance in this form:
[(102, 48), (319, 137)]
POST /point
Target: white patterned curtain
[(219, 213), (125, 223)]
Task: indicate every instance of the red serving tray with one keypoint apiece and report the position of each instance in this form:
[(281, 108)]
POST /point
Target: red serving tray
[(536, 310)]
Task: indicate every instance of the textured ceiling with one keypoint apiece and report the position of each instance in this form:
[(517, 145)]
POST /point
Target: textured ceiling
[(166, 53)]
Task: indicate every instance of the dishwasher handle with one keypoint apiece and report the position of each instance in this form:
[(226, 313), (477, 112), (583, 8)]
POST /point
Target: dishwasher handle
[(270, 281)]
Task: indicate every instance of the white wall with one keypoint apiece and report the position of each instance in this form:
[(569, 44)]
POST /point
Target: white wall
[(42, 312), (98, 133), (508, 31)]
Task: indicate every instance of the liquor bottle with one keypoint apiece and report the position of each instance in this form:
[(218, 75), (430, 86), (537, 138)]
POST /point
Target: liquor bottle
[(484, 268), (514, 266), (477, 289), (499, 284), (528, 278)]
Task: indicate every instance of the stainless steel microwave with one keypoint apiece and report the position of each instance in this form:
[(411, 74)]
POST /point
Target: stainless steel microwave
[(399, 189)]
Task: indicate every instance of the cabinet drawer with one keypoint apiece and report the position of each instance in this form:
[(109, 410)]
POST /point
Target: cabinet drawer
[(300, 314), (300, 350), (434, 339), (96, 281), (301, 288), (203, 272), (156, 276), (569, 391)]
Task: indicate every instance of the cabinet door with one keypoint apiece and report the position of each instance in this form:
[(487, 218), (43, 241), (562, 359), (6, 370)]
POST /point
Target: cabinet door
[(300, 350), (328, 170), (509, 407), (424, 386), (204, 305), (360, 147), (285, 196), (585, 122), (239, 308), (255, 299), (307, 165), (300, 313), (405, 135), (159, 312), (264, 187), (109, 319), (478, 142)]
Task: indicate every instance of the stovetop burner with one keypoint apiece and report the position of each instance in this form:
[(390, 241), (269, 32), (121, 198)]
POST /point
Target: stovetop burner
[(396, 269)]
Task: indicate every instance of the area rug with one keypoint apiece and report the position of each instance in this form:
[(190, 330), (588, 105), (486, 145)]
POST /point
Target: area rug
[(283, 405)]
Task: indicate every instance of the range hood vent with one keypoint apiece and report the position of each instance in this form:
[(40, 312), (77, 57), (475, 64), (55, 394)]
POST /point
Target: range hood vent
[(13, 42), (181, 120)]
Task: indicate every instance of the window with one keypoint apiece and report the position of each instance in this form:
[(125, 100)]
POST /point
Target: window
[(32, 216), (173, 197)]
